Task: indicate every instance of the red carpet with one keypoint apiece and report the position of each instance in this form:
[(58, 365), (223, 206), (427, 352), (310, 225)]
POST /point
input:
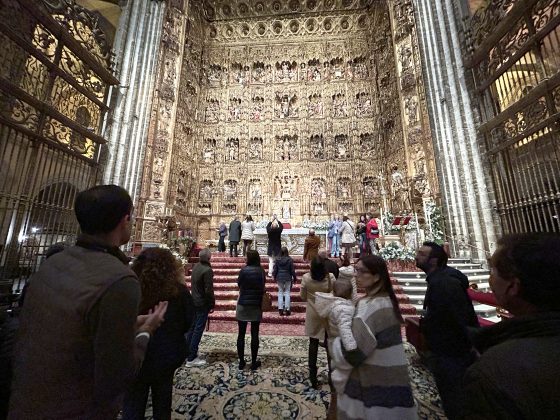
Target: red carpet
[(226, 270)]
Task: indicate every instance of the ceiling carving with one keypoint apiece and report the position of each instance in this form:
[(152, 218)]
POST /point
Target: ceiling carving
[(223, 10)]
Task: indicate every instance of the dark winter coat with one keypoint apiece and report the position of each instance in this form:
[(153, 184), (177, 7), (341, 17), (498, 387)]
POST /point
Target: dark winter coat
[(167, 349), (331, 267), (274, 239), (202, 286), (251, 282), (449, 313), (235, 231), (284, 270), (518, 374)]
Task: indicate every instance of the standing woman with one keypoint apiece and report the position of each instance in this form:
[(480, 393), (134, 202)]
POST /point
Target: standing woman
[(274, 232), (379, 386), (317, 280), (161, 278), (251, 282), (284, 273), (247, 236), (361, 234), (347, 236)]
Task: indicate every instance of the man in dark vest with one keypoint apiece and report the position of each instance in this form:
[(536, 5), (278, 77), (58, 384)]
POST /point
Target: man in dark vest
[(80, 340), (449, 314)]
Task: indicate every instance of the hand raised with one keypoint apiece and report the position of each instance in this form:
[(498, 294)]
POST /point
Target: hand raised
[(151, 322)]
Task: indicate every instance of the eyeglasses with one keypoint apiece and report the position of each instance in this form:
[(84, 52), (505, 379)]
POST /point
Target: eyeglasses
[(361, 270)]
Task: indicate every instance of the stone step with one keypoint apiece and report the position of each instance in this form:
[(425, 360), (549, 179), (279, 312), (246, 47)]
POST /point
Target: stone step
[(421, 290), (422, 281), (482, 310), (421, 275)]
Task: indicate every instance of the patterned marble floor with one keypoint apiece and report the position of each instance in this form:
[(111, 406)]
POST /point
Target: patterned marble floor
[(279, 389)]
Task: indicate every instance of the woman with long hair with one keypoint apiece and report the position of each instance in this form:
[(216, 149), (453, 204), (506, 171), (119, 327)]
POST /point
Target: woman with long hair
[(251, 282), (379, 386), (284, 273), (361, 235), (247, 235), (161, 278), (317, 280)]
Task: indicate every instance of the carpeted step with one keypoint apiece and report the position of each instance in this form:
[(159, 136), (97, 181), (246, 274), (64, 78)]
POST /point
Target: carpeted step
[(272, 317), (233, 295), (270, 287), (230, 305)]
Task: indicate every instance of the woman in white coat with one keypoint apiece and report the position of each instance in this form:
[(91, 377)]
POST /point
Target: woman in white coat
[(247, 235), (348, 236)]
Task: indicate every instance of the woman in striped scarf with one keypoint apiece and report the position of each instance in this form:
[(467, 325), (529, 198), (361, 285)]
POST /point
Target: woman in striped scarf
[(379, 386)]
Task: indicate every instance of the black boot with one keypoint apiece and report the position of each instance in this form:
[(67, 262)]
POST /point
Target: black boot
[(281, 312), (313, 376), (241, 352), (287, 312), (255, 364)]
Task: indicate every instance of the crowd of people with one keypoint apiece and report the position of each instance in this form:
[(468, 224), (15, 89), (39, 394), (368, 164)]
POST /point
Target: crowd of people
[(97, 335)]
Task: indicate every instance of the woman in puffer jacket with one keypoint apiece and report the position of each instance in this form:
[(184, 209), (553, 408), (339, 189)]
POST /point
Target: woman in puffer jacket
[(284, 273)]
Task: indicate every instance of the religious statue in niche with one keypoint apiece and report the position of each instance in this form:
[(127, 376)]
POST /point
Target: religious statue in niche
[(421, 187), (318, 194), (209, 151), (180, 199), (285, 186), (255, 193), (204, 208), (314, 70), (212, 112), (367, 145), (230, 190), (315, 106), (286, 71), (371, 187), (339, 108), (232, 149), (341, 146), (363, 105), (411, 106), (419, 160), (256, 148), (257, 113), (404, 17), (343, 188), (358, 68), (286, 147), (215, 73), (286, 105), (317, 145), (234, 109), (239, 74), (337, 68), (259, 73), (345, 208), (230, 208), (405, 57), (205, 192), (400, 191)]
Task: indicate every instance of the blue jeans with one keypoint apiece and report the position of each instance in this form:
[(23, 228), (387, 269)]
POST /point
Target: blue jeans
[(335, 248), (195, 333), (284, 294)]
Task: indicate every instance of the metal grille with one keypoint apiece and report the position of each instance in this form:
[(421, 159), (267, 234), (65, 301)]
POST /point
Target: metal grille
[(54, 75), (516, 66)]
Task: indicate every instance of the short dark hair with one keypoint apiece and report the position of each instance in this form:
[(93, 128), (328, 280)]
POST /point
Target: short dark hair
[(253, 257), (101, 208), (318, 270), (249, 218), (534, 259), (437, 252)]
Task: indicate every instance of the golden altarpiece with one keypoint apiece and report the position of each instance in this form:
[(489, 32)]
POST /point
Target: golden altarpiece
[(296, 108)]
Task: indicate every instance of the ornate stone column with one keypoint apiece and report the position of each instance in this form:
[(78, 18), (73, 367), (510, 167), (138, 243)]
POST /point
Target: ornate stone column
[(466, 191), (136, 48)]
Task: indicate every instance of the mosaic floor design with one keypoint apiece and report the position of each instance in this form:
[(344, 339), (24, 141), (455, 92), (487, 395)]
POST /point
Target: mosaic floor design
[(279, 389)]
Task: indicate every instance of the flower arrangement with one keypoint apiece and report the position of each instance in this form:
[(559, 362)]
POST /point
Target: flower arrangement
[(435, 215), (395, 251), (319, 226), (180, 247)]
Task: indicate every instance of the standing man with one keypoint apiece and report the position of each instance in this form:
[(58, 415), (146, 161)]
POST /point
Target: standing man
[(81, 340), (311, 246), (372, 233), (518, 375), (222, 232), (202, 290), (234, 236), (274, 231), (448, 315)]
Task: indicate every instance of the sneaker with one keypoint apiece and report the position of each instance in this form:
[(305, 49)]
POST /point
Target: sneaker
[(197, 361)]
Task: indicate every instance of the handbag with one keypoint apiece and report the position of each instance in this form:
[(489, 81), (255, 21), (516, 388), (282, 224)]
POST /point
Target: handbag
[(266, 302)]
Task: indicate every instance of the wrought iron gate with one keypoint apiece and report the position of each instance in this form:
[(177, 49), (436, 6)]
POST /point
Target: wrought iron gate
[(54, 75), (515, 60)]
